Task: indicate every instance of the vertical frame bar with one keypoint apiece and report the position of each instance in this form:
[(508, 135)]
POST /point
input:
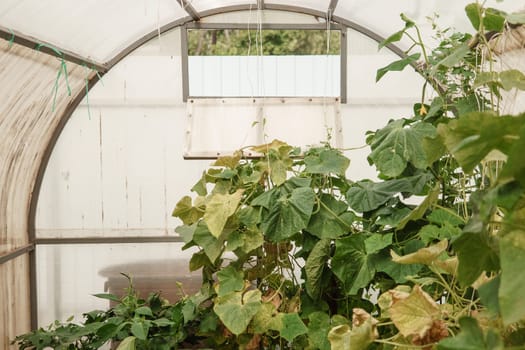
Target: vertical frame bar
[(184, 63), (344, 64)]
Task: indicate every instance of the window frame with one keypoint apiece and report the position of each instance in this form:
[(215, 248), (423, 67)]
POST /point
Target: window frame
[(254, 26)]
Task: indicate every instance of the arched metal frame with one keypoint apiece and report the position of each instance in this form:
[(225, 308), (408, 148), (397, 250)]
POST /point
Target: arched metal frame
[(104, 68)]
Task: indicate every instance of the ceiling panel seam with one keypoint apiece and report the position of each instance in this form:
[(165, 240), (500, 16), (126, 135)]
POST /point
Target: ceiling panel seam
[(188, 7), (49, 49)]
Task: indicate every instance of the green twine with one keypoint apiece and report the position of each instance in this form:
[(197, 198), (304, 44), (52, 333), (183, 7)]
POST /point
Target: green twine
[(12, 40), (62, 69)]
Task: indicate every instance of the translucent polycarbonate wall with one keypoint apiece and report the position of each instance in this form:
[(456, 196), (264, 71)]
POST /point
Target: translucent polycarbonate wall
[(15, 317), (69, 275), (33, 99)]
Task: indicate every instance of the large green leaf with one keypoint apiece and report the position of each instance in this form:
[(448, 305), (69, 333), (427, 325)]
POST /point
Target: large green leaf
[(292, 326), (494, 20), (237, 309), (318, 329), (366, 195), (488, 294), (351, 263), (288, 214), (230, 280), (219, 208), (244, 241), (377, 241), (476, 252), (512, 247), (397, 65), (327, 161), (331, 220), (472, 137), (394, 146), (315, 266)]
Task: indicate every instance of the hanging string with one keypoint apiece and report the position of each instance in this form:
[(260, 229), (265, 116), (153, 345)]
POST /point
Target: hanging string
[(62, 69), (327, 74)]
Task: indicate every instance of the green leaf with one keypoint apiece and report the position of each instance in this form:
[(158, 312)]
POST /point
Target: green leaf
[(472, 137), (318, 329), (237, 309), (494, 20), (288, 214), (143, 311), (444, 217), (229, 161), (230, 280), (366, 195), (212, 246), (476, 253), (470, 338), (219, 208), (422, 208), (140, 330), (244, 241), (397, 65), (127, 344), (199, 260), (200, 186), (185, 211), (351, 264), (453, 58), (514, 168), (328, 161), (163, 322), (429, 233), (488, 294), (416, 314), (292, 326), (315, 266), (512, 247), (331, 219), (391, 39), (107, 296), (377, 241), (474, 14), (396, 145)]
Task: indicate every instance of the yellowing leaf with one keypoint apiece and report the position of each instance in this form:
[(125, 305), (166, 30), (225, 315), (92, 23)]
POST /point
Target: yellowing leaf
[(219, 208), (415, 315), (362, 333), (274, 145), (185, 211), (229, 161), (427, 256)]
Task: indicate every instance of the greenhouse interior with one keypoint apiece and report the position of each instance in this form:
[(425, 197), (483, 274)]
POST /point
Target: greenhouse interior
[(157, 192)]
